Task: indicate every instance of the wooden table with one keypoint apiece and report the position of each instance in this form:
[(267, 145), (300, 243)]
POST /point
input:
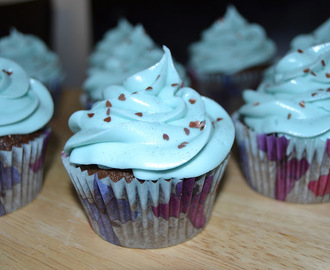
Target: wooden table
[(246, 231)]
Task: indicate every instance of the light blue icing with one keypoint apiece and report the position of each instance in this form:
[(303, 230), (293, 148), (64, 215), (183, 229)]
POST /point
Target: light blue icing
[(295, 101), (231, 45), (33, 55), (25, 104), (320, 35), (122, 52), (153, 126)]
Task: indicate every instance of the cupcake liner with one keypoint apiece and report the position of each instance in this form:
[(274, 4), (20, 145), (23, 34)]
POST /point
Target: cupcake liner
[(226, 89), (287, 169), (21, 173), (146, 214)]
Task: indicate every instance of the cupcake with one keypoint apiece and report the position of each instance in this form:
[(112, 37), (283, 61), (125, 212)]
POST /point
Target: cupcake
[(230, 57), (283, 130), (38, 61), (146, 161), (122, 52), (26, 107), (320, 35)]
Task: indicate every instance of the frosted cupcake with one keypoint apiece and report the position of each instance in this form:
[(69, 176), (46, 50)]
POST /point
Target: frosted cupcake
[(124, 51), (38, 61), (230, 57), (283, 130), (147, 161), (25, 108), (320, 35)]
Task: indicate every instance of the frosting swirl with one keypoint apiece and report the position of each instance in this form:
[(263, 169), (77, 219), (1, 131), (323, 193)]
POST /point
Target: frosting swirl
[(25, 104), (231, 45), (296, 100), (320, 35), (153, 126), (122, 52), (33, 55)]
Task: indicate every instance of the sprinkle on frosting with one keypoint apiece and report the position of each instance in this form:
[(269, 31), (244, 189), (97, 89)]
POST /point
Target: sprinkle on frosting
[(108, 103), (107, 119), (90, 115), (187, 131), (122, 97), (174, 84), (289, 115), (140, 114), (192, 101), (108, 111), (219, 119), (149, 88), (323, 63), (327, 75), (302, 104), (181, 145), (166, 137), (306, 70), (7, 72), (300, 51)]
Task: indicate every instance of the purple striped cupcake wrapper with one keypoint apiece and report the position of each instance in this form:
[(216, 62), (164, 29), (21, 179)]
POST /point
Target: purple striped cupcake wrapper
[(146, 214), (287, 169), (21, 173)]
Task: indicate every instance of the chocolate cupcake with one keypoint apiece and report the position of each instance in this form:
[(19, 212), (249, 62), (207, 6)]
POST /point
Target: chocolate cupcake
[(26, 107), (283, 130), (230, 57), (146, 162)]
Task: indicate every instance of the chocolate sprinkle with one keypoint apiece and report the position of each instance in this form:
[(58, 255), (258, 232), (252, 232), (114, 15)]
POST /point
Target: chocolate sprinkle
[(313, 73), (149, 88), (302, 104), (108, 104), (182, 145), (219, 119), (166, 137), (306, 70), (300, 51), (90, 115), (174, 84), (289, 115), (194, 124), (256, 103), (7, 72), (328, 90), (202, 125), (139, 114), (108, 119), (327, 75), (108, 111), (313, 94), (187, 131), (157, 77), (323, 63), (122, 97), (192, 101)]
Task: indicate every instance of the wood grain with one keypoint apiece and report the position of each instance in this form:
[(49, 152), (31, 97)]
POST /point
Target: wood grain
[(246, 231)]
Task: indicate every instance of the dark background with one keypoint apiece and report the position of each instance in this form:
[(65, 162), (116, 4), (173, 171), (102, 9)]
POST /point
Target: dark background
[(175, 24), (178, 23)]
